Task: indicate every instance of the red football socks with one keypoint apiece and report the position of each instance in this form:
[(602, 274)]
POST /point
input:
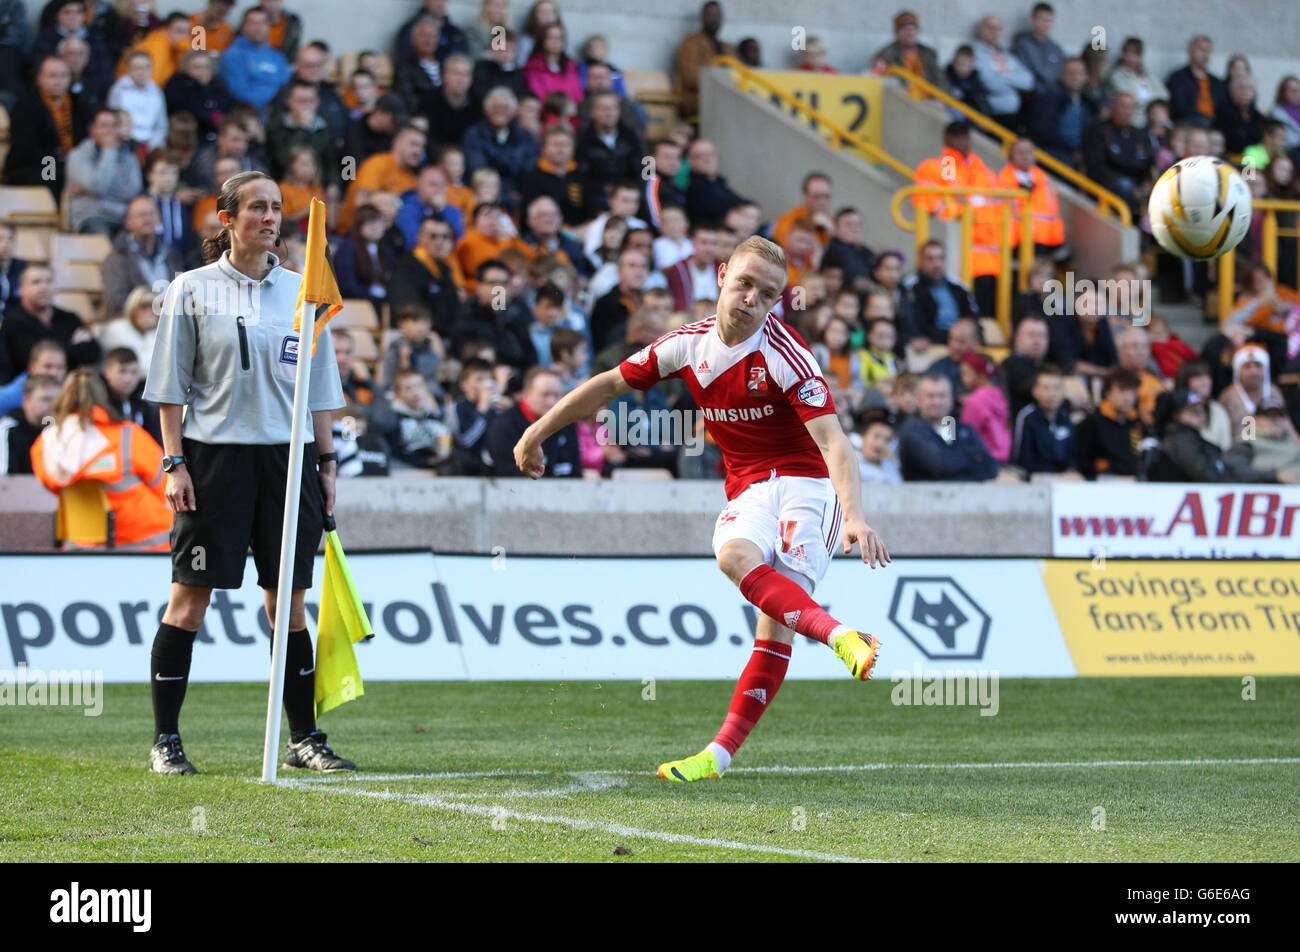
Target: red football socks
[(754, 692), (780, 598)]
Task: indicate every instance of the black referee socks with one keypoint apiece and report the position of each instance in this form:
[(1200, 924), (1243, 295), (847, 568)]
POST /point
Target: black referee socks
[(300, 685), (169, 674)]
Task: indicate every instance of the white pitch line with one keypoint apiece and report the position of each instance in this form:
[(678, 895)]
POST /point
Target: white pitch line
[(1003, 765), (618, 829)]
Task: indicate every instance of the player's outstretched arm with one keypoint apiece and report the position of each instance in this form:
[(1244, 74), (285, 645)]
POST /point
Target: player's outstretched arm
[(577, 404), (843, 469)]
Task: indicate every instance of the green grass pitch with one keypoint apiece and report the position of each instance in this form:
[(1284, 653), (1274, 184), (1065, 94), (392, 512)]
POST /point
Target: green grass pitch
[(565, 771)]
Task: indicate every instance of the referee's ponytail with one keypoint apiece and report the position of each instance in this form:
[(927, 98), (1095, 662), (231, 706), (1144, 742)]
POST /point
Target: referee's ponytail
[(228, 201)]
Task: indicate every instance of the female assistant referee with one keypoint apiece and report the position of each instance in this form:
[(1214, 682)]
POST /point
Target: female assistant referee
[(223, 374)]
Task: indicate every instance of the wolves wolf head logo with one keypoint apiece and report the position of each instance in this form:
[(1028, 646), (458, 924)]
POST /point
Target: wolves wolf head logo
[(942, 617)]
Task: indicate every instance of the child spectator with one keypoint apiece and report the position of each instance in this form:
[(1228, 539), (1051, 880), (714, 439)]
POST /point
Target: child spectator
[(471, 414), (902, 396), (139, 95), (550, 315), (357, 388), (362, 452), (964, 83), (569, 353), (876, 462), (122, 378), (1109, 440), (301, 183), (22, 426), (985, 406), (417, 436), (814, 57), (416, 348), (1194, 375), (362, 93), (1044, 437), (841, 363), (1168, 349), (452, 162), (879, 365), (672, 245)]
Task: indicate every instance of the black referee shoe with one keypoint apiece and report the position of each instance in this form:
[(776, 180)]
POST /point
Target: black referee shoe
[(312, 753), (168, 756)]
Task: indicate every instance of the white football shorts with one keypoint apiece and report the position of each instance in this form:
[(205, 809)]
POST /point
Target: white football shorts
[(794, 520)]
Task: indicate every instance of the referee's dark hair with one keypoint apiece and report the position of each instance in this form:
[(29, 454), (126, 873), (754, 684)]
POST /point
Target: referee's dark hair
[(228, 201)]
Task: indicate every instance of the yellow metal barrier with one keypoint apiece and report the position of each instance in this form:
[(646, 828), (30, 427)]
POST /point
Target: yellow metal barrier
[(921, 227), (1107, 201), (839, 134), (1272, 232)]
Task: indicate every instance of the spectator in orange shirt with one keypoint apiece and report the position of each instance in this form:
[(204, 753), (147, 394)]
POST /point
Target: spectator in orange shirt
[(483, 240), (392, 171), (166, 47), (815, 207), (697, 51), (216, 33), (1265, 304), (451, 159)]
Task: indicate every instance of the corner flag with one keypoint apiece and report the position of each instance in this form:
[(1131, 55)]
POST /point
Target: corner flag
[(318, 284), (341, 624)]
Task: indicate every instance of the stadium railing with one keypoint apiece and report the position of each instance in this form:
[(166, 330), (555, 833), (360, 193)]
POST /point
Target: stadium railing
[(1108, 203), (1272, 233), (921, 228), (838, 138)]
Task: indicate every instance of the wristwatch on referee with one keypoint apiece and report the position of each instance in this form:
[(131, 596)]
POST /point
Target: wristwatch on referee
[(327, 458), (169, 463)]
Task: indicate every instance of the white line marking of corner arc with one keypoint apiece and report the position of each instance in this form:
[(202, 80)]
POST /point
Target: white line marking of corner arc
[(618, 829)]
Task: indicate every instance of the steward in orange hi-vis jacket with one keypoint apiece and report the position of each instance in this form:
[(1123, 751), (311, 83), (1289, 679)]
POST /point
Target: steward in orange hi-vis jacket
[(121, 456)]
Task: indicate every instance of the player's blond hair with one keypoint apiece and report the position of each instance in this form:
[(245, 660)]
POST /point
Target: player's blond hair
[(758, 245)]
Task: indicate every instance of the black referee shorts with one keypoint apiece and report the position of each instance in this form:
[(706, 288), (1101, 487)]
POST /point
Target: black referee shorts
[(239, 494)]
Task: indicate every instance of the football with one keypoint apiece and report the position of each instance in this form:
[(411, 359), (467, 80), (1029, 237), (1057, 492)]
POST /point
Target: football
[(1200, 208)]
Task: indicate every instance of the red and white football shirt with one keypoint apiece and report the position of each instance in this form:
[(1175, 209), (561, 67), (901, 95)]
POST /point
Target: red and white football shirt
[(755, 397)]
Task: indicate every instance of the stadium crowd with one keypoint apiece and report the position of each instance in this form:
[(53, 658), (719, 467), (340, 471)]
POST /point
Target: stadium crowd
[(493, 196)]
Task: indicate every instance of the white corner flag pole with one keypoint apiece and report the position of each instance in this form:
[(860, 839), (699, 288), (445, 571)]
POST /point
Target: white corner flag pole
[(288, 545)]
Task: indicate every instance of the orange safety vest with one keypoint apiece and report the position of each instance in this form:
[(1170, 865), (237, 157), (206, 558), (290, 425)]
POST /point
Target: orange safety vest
[(967, 172), (130, 468), (1046, 226)]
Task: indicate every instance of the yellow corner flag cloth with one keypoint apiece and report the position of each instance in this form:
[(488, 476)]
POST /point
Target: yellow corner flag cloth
[(318, 284), (341, 624)]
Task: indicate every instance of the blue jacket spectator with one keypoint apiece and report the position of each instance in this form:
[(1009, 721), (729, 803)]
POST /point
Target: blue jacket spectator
[(415, 210), (1043, 440), (252, 69), (935, 445), (507, 147)]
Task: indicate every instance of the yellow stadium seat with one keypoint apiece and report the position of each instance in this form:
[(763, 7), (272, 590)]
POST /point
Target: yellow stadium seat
[(28, 205), (79, 277), (79, 249), (32, 243), (84, 517), (357, 312), (363, 348), (79, 303)]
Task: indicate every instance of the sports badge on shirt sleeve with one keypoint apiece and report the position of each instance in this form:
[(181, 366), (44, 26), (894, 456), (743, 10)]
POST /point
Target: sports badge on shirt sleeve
[(813, 392)]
